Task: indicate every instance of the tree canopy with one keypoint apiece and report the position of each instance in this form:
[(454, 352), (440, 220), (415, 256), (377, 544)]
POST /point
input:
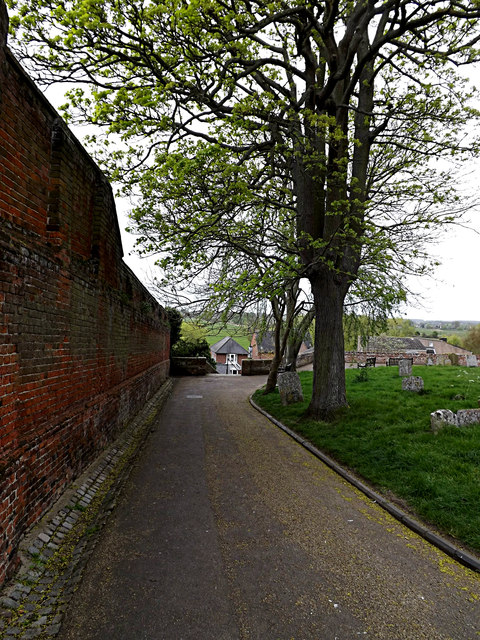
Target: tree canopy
[(336, 113), (472, 339)]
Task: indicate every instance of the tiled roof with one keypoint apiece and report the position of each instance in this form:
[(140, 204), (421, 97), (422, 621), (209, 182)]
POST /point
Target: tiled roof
[(265, 342), (385, 344), (228, 345)]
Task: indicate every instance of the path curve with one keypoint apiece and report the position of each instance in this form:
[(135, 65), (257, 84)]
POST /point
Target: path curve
[(228, 529)]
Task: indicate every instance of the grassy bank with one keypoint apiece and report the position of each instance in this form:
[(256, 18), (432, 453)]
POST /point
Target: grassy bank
[(237, 332), (385, 437)]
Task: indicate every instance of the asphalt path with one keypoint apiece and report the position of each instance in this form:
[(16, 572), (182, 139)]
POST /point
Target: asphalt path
[(228, 529)]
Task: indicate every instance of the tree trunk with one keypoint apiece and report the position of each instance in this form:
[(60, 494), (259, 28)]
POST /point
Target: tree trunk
[(273, 374), (280, 341), (291, 353), (277, 358), (296, 338), (329, 393)]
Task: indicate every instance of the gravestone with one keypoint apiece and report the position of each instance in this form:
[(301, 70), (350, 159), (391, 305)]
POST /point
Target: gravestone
[(466, 417), (430, 362), (472, 361), (442, 418), (443, 360), (289, 387), (405, 367), (412, 383)]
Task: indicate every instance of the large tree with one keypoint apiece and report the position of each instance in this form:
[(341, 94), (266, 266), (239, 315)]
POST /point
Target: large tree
[(222, 250), (304, 98)]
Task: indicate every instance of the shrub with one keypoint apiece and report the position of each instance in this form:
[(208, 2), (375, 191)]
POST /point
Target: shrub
[(191, 349), (175, 319)]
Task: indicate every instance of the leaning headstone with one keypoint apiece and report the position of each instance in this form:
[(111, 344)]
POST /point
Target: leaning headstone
[(467, 417), (289, 387), (405, 367), (412, 383), (442, 418), (472, 361)]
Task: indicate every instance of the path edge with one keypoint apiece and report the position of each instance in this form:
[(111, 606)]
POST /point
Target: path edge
[(463, 557), (55, 552)]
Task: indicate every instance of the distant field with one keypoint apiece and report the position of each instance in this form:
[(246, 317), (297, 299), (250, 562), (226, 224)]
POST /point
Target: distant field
[(235, 331), (446, 333)]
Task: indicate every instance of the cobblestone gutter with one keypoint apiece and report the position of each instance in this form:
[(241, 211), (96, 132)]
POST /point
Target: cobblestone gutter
[(55, 553)]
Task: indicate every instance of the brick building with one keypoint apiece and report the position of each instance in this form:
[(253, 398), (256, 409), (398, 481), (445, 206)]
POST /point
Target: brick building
[(228, 355)]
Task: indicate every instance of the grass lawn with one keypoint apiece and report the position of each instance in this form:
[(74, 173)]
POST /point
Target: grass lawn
[(385, 437)]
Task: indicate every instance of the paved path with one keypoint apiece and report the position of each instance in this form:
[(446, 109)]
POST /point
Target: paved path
[(229, 530)]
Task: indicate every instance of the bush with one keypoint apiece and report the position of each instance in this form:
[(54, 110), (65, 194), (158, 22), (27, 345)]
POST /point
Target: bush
[(175, 320), (192, 349)]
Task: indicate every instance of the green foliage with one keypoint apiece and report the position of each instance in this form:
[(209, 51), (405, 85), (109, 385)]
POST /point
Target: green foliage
[(192, 348), (175, 319), (472, 339), (192, 332), (400, 327), (271, 142), (385, 437), (455, 339), (361, 327), (362, 375)]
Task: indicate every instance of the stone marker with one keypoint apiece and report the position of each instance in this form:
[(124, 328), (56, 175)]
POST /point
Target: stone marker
[(467, 417), (412, 383), (472, 361), (289, 387), (442, 418), (443, 360), (430, 362), (405, 367)]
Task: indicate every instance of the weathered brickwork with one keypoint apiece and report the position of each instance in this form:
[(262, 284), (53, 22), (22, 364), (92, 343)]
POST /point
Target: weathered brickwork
[(83, 345)]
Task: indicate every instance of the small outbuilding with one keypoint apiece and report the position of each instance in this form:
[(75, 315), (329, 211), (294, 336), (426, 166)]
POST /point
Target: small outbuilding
[(228, 355)]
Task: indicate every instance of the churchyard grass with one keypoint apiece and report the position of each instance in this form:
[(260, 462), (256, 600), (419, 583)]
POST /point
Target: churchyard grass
[(384, 437)]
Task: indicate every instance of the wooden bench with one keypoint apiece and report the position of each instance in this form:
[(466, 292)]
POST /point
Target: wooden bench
[(392, 362), (369, 362)]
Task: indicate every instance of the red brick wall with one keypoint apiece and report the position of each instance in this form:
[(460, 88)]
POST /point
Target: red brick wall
[(83, 345)]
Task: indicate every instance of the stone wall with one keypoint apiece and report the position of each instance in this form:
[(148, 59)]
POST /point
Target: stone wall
[(189, 366), (304, 358), (83, 344), (419, 357), (256, 367)]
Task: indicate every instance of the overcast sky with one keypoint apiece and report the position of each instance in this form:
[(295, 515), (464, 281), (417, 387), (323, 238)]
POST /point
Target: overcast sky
[(453, 293)]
